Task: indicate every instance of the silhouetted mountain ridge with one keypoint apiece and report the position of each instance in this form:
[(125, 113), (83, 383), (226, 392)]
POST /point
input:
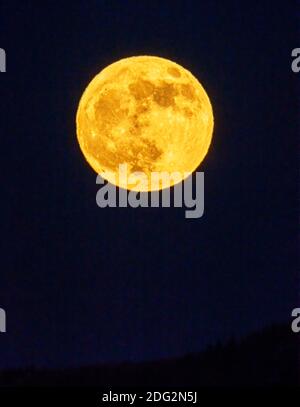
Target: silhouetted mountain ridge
[(265, 358)]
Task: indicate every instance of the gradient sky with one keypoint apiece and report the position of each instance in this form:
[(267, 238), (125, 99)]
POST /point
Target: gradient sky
[(82, 284)]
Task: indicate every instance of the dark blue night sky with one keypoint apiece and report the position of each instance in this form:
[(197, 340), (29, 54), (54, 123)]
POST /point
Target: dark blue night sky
[(83, 285)]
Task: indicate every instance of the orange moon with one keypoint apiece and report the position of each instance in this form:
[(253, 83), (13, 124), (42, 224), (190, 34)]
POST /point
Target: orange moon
[(149, 113)]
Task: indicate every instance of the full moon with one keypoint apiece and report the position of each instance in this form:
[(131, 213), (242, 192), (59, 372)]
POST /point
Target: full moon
[(149, 113)]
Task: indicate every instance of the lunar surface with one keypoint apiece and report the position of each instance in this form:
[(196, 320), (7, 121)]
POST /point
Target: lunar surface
[(148, 113)]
